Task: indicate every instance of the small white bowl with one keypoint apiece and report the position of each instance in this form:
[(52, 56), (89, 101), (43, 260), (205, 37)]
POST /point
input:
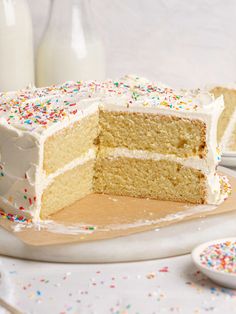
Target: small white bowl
[(221, 278)]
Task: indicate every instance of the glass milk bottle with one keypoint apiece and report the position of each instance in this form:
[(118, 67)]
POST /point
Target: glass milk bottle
[(70, 49), (16, 45)]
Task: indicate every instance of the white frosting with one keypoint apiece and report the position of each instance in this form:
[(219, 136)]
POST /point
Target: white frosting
[(29, 117), (192, 162), (24, 180), (213, 186), (19, 161)]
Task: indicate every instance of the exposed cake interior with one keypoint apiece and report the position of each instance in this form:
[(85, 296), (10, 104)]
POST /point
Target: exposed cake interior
[(161, 171), (163, 134), (68, 187), (149, 178)]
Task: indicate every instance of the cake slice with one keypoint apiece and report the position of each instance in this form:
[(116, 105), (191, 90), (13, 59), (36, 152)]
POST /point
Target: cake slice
[(226, 134)]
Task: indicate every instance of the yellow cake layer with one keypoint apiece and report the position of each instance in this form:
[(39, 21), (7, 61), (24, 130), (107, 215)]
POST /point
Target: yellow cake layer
[(230, 106), (151, 132), (68, 188), (164, 180), (70, 143)]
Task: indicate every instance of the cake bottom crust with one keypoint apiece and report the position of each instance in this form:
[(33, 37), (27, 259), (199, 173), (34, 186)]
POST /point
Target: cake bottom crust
[(162, 179)]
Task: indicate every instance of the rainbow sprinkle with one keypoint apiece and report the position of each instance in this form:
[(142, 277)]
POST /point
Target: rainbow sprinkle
[(220, 257), (14, 218), (218, 153)]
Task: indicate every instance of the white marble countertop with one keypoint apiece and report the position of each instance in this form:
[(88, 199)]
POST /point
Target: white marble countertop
[(171, 285)]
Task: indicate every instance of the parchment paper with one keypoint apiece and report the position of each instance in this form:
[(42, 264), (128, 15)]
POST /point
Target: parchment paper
[(98, 217)]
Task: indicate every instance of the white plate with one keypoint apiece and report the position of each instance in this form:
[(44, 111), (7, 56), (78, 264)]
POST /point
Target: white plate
[(228, 159), (224, 279), (173, 240)]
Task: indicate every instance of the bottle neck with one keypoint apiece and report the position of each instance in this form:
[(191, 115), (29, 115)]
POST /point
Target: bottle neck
[(14, 13), (71, 14)]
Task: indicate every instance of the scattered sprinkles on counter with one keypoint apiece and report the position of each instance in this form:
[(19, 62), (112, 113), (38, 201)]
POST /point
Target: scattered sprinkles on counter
[(220, 257), (127, 288)]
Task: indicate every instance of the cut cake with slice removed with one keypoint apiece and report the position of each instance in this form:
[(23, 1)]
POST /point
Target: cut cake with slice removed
[(127, 137)]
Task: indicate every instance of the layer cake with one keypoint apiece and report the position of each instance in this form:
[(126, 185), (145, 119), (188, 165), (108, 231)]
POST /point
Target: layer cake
[(126, 137)]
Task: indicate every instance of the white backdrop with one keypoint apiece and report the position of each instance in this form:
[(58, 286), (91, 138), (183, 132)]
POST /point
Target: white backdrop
[(180, 42)]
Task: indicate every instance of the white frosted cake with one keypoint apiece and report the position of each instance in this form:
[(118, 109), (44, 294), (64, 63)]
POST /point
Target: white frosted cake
[(127, 137)]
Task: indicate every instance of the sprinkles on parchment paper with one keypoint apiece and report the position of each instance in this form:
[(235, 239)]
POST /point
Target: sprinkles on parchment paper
[(14, 218), (220, 257), (47, 225)]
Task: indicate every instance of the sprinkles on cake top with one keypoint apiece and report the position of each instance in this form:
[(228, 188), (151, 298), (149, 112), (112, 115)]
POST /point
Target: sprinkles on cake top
[(37, 109)]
